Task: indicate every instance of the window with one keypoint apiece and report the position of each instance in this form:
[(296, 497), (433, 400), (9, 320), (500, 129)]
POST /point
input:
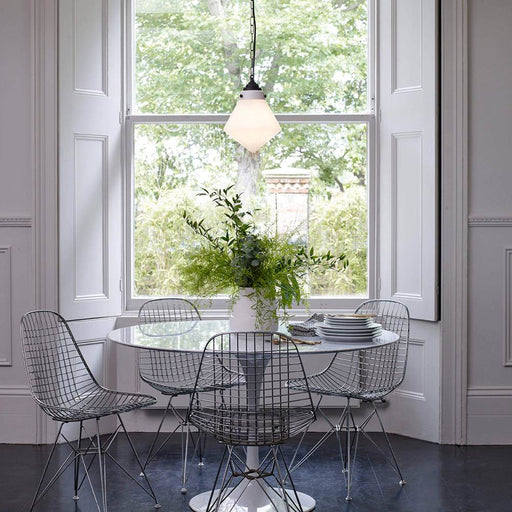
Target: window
[(315, 63)]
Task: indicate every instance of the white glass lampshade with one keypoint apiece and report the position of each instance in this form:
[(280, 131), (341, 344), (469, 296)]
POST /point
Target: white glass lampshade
[(252, 123)]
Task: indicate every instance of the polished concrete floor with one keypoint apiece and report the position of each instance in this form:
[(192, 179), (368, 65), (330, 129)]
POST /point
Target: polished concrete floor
[(439, 479)]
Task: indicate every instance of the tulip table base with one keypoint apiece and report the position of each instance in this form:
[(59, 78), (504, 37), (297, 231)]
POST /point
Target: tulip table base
[(252, 497)]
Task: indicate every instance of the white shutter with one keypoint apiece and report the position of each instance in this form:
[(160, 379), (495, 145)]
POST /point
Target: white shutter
[(90, 184), (408, 164)]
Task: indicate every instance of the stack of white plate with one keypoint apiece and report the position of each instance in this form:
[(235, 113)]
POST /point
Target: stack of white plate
[(348, 328)]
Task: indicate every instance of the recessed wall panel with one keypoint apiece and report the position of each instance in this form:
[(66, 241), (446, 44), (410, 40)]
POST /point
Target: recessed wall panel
[(90, 46), (413, 385), (407, 45), (407, 214), (91, 223), (508, 307), (93, 353), (5, 307)]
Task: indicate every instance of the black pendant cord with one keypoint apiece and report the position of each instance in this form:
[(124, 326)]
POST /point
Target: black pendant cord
[(252, 85), (253, 42)]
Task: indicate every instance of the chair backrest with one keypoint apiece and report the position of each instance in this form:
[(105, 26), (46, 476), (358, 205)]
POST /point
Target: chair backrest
[(168, 372), (170, 309), (260, 409), (57, 372), (383, 369), (172, 373)]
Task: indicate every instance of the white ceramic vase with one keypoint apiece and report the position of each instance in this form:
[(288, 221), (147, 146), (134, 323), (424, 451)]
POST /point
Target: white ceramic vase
[(243, 315)]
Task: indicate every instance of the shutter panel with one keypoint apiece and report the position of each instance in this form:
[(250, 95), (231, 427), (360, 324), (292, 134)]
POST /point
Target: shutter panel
[(408, 163), (90, 184)]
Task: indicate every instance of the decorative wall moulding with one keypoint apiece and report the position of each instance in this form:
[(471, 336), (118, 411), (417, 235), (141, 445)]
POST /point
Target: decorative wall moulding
[(490, 391), (490, 222), (416, 357), (92, 341), (15, 222), (11, 391), (416, 341), (508, 307), (414, 395), (6, 306)]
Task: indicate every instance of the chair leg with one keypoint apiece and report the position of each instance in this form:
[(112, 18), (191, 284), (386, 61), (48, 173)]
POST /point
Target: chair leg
[(77, 462), (45, 470), (281, 480), (402, 479), (295, 453), (185, 434), (151, 492), (152, 455), (219, 469), (201, 441), (296, 505), (333, 429), (348, 446), (185, 438), (224, 486), (101, 463)]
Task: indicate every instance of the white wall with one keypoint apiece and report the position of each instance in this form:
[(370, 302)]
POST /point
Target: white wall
[(18, 419), (28, 278), (490, 222)]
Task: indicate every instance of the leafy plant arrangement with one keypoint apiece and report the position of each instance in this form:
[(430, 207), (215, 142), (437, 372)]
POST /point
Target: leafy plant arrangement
[(238, 256)]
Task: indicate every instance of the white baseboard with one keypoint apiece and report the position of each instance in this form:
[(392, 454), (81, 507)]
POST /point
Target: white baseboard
[(490, 415), (18, 423)]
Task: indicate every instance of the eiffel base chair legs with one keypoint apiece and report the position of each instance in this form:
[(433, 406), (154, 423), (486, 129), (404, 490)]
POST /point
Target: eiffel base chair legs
[(186, 437), (235, 478), (391, 458), (348, 446), (82, 456)]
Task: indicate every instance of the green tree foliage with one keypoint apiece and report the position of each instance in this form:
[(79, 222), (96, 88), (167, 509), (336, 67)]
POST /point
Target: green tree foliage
[(193, 57), (237, 254)]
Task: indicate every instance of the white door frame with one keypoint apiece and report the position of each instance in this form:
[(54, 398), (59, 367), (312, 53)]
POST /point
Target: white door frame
[(454, 221), (45, 232)]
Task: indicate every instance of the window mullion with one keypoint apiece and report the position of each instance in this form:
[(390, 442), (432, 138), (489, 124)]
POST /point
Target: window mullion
[(222, 118)]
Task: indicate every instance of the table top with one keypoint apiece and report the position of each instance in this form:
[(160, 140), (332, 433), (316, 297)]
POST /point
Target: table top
[(192, 336)]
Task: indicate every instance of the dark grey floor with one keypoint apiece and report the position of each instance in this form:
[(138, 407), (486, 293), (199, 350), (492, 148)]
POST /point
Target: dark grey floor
[(439, 479)]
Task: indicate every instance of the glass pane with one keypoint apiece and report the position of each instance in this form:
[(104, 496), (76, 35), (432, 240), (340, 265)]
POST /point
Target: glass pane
[(310, 184), (193, 56)]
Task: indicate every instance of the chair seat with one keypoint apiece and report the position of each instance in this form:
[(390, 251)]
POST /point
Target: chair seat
[(97, 403), (208, 381), (324, 384), (243, 426)]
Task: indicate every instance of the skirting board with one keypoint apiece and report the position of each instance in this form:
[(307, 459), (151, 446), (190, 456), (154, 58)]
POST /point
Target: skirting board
[(490, 416), (18, 421)]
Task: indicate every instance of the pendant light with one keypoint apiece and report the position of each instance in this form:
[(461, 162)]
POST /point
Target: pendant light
[(252, 123)]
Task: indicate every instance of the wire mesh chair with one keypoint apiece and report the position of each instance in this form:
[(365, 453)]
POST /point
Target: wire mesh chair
[(263, 411), (173, 374), (366, 375), (63, 386)]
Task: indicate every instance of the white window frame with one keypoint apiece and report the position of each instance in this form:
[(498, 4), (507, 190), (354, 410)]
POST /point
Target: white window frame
[(219, 304)]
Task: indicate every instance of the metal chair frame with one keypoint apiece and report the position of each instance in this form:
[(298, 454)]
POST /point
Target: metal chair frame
[(63, 386), (367, 375), (261, 412), (173, 374)]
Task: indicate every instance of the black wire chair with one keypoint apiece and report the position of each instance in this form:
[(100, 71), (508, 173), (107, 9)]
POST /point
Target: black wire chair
[(63, 386), (366, 375), (173, 374), (263, 411)]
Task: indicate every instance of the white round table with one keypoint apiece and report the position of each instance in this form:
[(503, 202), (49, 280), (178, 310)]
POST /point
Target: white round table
[(192, 336)]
